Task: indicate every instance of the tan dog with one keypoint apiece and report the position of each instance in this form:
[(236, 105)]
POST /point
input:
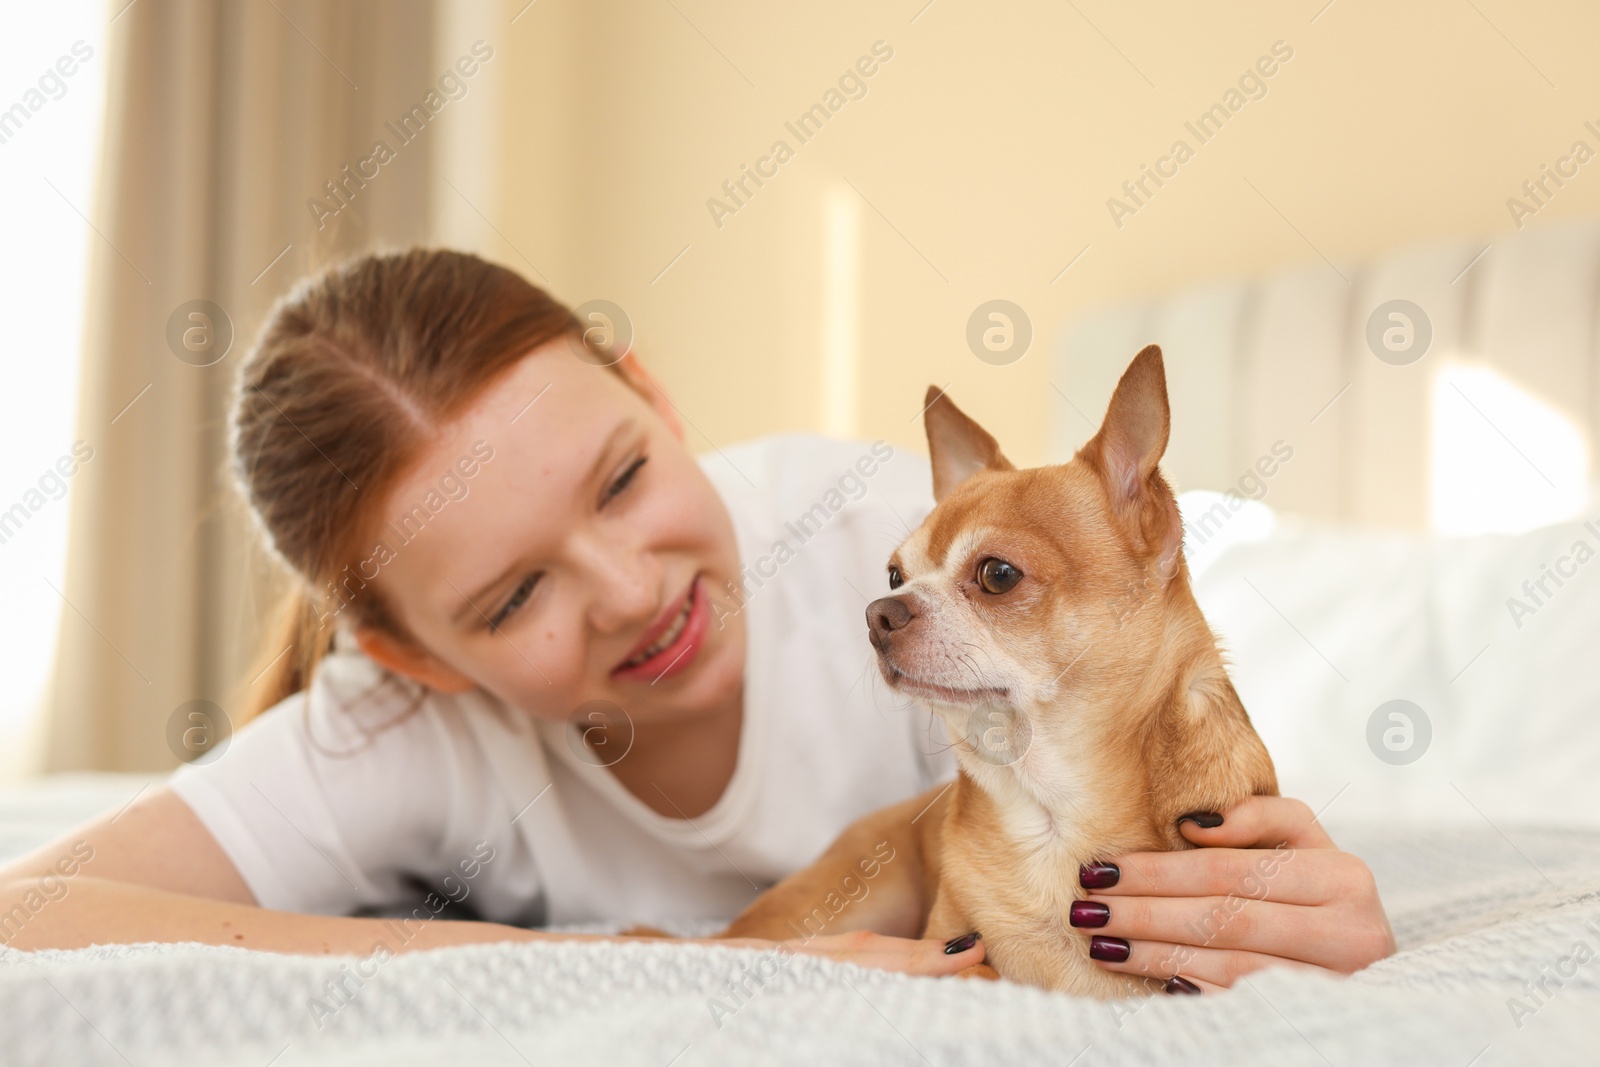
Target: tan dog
[(1046, 617)]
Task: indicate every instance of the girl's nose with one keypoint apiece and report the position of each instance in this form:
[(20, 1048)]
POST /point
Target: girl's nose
[(625, 590)]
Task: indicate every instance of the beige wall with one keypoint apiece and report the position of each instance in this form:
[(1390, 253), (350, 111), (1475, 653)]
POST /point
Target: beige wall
[(986, 149)]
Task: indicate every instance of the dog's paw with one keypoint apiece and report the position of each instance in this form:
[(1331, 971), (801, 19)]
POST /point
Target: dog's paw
[(643, 931), (979, 970)]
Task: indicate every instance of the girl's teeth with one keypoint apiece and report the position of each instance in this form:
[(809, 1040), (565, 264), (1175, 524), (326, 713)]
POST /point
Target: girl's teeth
[(666, 638)]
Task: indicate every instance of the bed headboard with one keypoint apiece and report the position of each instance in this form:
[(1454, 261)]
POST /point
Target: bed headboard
[(1286, 358)]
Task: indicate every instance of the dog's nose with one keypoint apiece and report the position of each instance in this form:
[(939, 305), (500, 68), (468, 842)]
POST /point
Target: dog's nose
[(884, 616)]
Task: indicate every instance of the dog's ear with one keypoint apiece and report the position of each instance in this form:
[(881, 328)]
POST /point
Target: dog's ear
[(1134, 433), (1128, 447), (958, 446)]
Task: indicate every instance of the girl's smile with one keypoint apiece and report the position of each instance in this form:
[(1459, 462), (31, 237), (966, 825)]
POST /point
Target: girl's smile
[(671, 643)]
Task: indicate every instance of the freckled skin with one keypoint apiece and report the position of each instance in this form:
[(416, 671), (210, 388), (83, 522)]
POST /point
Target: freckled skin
[(598, 558)]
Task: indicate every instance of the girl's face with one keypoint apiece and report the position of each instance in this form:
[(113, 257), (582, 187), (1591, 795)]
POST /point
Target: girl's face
[(552, 541)]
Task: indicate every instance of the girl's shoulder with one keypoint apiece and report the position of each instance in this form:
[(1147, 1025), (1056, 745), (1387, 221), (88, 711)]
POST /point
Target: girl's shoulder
[(334, 798), (794, 473)]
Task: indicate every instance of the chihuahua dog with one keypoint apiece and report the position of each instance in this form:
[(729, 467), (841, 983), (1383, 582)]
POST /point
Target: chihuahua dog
[(1045, 616)]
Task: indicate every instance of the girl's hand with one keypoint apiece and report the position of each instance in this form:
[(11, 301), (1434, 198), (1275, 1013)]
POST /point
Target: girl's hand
[(867, 949), (1267, 887)]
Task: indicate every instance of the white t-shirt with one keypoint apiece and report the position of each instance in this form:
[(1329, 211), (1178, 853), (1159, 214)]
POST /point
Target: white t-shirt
[(324, 811)]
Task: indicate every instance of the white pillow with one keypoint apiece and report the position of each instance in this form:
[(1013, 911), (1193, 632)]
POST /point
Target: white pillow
[(1323, 623)]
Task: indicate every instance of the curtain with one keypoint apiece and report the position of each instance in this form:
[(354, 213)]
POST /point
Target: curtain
[(224, 121)]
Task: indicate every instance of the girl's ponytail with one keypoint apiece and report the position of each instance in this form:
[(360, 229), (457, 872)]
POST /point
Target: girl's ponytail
[(293, 646)]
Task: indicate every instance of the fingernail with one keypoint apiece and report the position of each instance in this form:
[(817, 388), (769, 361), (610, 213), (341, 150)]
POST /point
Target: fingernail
[(1088, 913), (1206, 820), (962, 943), (1109, 949), (1179, 984), (1098, 875)]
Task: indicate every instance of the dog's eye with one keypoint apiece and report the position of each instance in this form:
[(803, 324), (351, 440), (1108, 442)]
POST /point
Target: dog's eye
[(996, 575), (895, 580)]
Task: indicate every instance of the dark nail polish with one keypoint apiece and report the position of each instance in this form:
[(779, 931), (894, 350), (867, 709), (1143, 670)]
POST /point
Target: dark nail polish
[(1109, 949), (962, 943), (1206, 820), (1088, 913), (1098, 875), (1179, 984)]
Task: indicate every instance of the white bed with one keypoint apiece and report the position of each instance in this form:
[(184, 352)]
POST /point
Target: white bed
[(1473, 919)]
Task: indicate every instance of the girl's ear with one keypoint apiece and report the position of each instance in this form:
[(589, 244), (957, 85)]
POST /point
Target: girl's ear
[(413, 663), (645, 385)]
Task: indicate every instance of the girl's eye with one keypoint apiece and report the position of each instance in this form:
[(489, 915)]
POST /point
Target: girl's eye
[(518, 598), (525, 590), (894, 577), (625, 477)]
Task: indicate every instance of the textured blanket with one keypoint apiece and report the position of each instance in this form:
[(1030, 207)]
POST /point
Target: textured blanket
[(1499, 930)]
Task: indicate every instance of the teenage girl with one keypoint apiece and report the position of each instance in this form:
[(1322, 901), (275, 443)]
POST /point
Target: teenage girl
[(543, 666)]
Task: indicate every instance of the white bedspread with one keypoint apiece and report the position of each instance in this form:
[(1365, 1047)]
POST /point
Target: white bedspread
[(1477, 912)]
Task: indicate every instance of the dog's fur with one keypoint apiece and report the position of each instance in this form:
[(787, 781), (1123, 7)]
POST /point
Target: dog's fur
[(1088, 704)]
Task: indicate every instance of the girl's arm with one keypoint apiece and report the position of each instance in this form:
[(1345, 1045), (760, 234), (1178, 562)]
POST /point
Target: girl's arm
[(155, 873), (99, 911)]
